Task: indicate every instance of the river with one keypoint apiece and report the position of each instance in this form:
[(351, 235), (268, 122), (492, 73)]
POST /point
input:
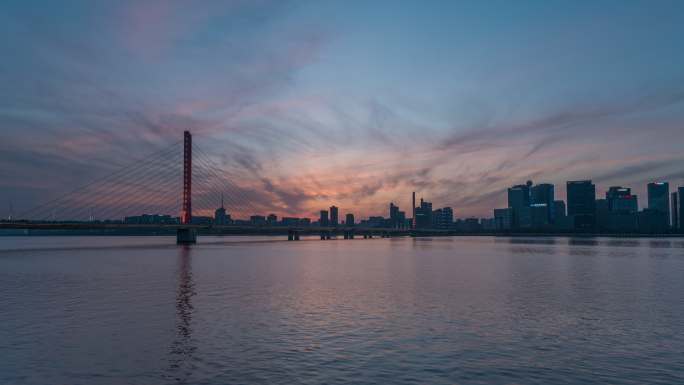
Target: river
[(248, 310)]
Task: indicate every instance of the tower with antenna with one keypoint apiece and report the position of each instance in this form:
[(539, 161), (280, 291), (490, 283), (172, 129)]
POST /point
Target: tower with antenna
[(220, 216), (413, 210)]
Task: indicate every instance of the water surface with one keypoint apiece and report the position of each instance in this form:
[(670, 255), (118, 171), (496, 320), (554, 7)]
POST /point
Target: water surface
[(466, 310)]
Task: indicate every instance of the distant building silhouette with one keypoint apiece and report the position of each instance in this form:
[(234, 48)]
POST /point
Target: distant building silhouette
[(621, 199), (543, 194), (488, 224), (201, 220), (334, 216), (221, 218), (423, 215), (401, 220), (151, 219), (323, 221), (675, 211), (272, 219), (519, 201), (602, 214), (559, 209), (393, 215), (373, 222), (582, 204), (561, 221), (292, 222), (349, 220), (680, 193), (443, 218), (469, 225), (658, 199), (413, 209), (539, 216), (257, 220), (397, 218), (652, 221), (503, 219)]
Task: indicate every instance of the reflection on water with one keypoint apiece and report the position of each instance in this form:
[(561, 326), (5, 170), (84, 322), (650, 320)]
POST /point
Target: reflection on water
[(583, 241), (617, 242), (529, 241), (183, 348), (457, 310)]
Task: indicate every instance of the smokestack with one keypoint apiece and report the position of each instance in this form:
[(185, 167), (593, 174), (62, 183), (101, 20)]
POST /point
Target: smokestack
[(413, 222)]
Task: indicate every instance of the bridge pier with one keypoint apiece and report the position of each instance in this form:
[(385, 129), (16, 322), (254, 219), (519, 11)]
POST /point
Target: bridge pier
[(186, 236), (293, 235)]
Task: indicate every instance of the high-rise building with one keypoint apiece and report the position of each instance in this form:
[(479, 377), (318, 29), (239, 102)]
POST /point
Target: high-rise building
[(413, 208), (334, 216), (349, 220), (620, 212), (470, 225), (658, 199), (539, 215), (272, 219), (401, 219), (394, 216), (443, 218), (220, 216), (290, 221), (503, 218), (559, 209), (560, 216), (543, 194), (257, 220), (488, 224), (680, 194), (621, 199), (423, 215), (652, 221), (519, 196), (602, 215), (675, 211), (582, 204), (323, 221), (518, 200)]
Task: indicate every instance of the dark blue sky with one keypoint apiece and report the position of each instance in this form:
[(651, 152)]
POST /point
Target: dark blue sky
[(370, 100)]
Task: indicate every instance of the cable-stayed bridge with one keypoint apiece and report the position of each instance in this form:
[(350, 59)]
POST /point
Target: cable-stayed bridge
[(181, 178)]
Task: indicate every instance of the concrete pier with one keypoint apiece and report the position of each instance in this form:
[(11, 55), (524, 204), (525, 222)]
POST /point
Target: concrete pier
[(293, 235), (186, 236)]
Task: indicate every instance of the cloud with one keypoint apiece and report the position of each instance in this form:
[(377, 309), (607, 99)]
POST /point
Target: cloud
[(552, 127)]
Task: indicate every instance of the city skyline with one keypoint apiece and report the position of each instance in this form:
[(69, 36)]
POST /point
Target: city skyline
[(313, 104), (530, 207)]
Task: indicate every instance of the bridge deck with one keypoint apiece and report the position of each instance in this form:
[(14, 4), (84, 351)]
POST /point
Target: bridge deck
[(210, 228)]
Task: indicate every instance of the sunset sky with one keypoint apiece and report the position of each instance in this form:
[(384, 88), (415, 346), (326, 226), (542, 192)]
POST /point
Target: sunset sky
[(352, 103)]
